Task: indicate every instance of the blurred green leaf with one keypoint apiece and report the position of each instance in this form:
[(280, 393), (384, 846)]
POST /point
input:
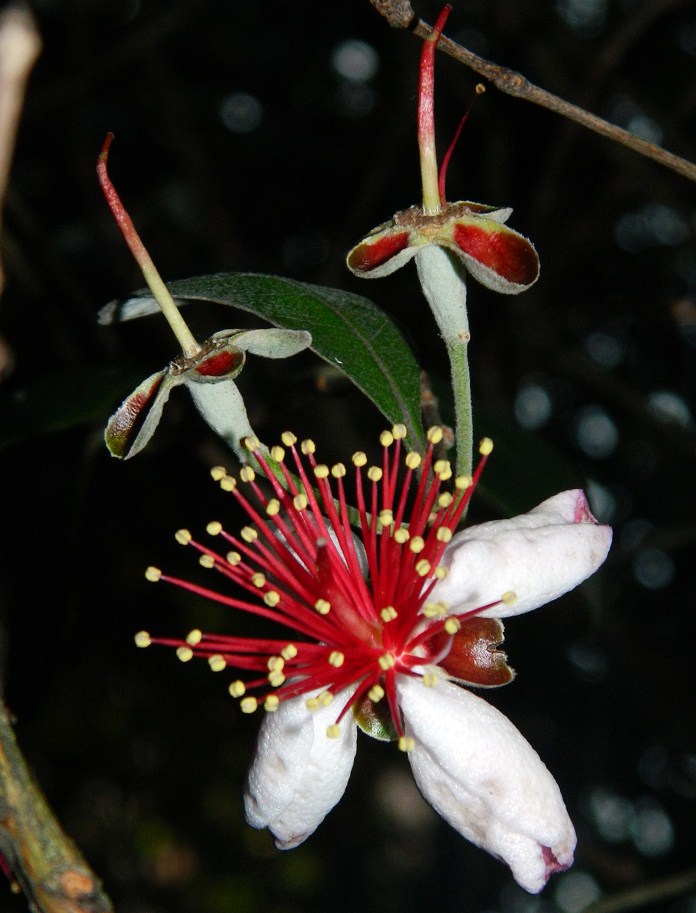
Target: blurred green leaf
[(60, 400), (348, 331)]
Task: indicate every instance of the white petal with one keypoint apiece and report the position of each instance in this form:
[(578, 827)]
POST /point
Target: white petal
[(486, 780), (538, 555), (298, 773)]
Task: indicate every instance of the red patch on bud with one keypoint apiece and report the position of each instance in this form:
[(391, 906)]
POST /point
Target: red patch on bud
[(220, 364), (371, 254), (473, 657), (508, 254)]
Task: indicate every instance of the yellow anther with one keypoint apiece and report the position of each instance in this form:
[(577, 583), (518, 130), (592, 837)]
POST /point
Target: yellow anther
[(248, 704), (388, 613), (312, 704), (321, 471), (413, 460), (194, 637), (401, 535), (442, 467), (288, 438), (417, 544), (444, 500), (461, 483), (142, 639), (237, 688), (273, 507), (153, 574), (251, 443), (423, 567), (249, 534), (435, 609), (444, 534), (441, 572), (276, 679), (206, 561), (289, 651), (434, 434), (233, 558), (336, 659), (271, 703), (308, 446), (333, 731), (277, 453), (214, 528), (247, 474), (430, 679), (374, 474), (217, 473), (509, 598), (182, 536), (376, 693), (184, 653), (217, 663), (452, 625), (385, 517), (322, 606), (386, 439), (486, 446), (300, 502), (386, 661), (275, 663), (325, 698), (399, 432), (271, 598), (338, 471), (359, 458), (406, 743), (228, 483), (258, 579)]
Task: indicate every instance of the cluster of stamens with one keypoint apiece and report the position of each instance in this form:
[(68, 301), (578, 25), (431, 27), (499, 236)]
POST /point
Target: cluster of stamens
[(360, 611)]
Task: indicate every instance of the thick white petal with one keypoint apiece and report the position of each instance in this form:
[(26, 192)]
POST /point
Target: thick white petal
[(298, 773), (538, 555), (486, 780)]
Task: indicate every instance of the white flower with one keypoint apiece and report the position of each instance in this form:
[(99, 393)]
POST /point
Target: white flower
[(383, 652)]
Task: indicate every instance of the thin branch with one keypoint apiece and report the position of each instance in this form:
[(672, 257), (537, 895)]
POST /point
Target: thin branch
[(46, 864), (651, 892), (396, 12), (20, 46)]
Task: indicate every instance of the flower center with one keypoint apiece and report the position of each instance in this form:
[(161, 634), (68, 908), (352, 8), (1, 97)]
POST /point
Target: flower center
[(358, 606)]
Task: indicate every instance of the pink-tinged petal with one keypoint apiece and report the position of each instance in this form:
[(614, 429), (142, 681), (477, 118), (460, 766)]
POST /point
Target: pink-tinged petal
[(132, 425), (381, 253), (538, 555), (498, 257), (298, 773), (485, 779)]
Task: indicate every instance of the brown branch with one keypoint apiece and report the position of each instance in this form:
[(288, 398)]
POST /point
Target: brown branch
[(400, 15), (46, 864), (651, 892)]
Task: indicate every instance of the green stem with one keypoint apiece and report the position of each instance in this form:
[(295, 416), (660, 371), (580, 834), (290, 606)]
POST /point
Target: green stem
[(442, 280)]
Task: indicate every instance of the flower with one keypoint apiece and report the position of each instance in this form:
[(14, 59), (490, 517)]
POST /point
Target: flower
[(207, 369), (475, 233), (209, 375), (386, 627)]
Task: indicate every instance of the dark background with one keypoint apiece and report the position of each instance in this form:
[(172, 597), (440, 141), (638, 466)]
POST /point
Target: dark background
[(240, 146)]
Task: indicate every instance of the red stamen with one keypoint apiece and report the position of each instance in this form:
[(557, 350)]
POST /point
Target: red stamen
[(301, 566)]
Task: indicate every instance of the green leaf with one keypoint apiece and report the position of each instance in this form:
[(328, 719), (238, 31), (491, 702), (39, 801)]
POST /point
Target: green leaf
[(348, 331)]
